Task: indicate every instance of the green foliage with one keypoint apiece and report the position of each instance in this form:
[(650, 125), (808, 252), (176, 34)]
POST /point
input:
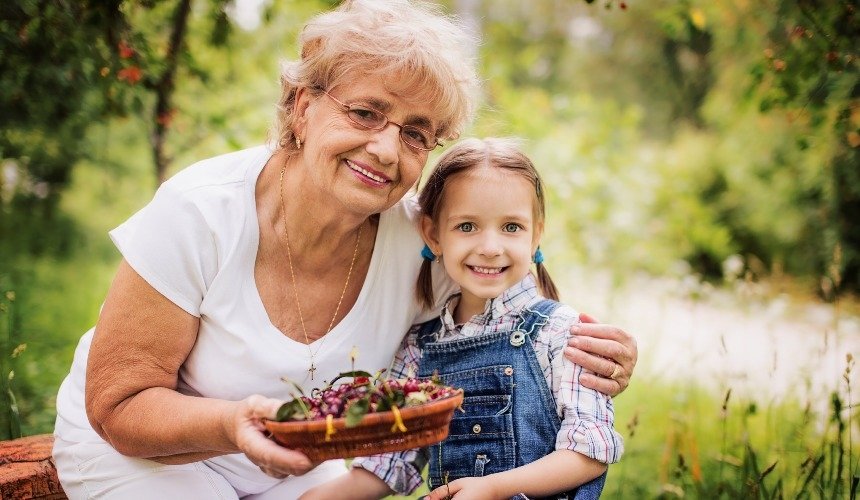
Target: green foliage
[(804, 74), (51, 55), (734, 137), (10, 420)]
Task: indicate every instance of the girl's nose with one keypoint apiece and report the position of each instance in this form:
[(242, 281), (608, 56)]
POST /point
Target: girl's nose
[(490, 246)]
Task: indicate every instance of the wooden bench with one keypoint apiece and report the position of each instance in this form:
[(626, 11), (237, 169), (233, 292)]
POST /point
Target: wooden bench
[(27, 469)]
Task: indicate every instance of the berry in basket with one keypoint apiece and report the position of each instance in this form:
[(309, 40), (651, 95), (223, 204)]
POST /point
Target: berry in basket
[(366, 416)]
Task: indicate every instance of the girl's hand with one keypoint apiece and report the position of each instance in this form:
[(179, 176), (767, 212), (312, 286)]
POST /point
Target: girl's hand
[(467, 488), (607, 351), (248, 432)]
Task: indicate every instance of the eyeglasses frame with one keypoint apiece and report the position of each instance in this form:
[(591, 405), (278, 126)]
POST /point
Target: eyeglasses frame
[(348, 107)]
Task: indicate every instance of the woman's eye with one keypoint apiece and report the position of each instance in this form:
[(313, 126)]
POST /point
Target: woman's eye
[(512, 227), (416, 135), (364, 115), (466, 227)]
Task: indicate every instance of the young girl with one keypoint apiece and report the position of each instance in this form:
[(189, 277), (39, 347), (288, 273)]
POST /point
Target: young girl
[(528, 429)]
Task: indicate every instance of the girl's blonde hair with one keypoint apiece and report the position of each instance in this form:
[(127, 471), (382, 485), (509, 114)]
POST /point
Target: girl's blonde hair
[(467, 155), (429, 52)]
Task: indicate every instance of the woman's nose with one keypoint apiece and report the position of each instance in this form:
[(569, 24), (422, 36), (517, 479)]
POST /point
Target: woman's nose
[(385, 144)]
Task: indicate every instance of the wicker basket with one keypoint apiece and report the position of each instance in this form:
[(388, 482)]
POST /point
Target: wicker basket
[(425, 424)]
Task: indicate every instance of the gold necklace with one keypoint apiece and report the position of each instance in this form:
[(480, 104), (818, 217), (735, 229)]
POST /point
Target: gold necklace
[(313, 367)]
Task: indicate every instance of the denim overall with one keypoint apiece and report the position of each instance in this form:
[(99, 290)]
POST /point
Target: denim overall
[(509, 417)]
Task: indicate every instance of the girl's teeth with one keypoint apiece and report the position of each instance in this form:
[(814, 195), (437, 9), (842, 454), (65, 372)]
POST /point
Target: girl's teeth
[(487, 270), (364, 172)]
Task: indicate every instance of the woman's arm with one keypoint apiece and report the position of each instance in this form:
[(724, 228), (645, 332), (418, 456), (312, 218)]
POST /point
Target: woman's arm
[(600, 349), (140, 342), (561, 470), (361, 485)]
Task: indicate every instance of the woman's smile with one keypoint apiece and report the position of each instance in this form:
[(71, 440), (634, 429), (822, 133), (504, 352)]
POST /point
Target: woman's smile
[(368, 175)]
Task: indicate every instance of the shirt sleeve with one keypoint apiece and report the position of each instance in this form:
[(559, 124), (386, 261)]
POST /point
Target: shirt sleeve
[(400, 470), (587, 415), (170, 245)]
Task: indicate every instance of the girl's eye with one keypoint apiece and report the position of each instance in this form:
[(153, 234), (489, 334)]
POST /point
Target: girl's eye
[(466, 227), (512, 227)]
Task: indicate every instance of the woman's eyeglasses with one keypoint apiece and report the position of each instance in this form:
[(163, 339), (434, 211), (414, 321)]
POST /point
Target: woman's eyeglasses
[(365, 117)]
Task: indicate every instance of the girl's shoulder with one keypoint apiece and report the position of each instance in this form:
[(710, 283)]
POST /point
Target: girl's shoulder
[(560, 319)]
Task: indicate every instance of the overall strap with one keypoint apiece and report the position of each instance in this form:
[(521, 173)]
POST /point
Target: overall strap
[(427, 331), (536, 315)]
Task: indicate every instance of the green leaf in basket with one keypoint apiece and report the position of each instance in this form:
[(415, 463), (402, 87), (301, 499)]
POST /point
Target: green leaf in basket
[(292, 410), (356, 411), (389, 399), (384, 404)]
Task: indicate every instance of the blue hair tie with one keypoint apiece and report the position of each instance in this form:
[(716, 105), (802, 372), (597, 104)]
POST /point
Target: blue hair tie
[(538, 258), (427, 253)]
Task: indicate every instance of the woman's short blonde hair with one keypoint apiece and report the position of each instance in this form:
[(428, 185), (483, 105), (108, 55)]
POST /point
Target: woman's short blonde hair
[(426, 49)]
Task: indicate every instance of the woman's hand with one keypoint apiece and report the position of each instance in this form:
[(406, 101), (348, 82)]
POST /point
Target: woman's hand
[(607, 351), (248, 432)]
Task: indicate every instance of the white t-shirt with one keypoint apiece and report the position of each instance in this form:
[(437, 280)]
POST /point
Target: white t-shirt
[(196, 243)]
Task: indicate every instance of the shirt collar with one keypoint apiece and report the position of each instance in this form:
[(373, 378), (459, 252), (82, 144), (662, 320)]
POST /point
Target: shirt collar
[(512, 300)]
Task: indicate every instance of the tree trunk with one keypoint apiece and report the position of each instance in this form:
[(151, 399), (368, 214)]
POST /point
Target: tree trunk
[(164, 90)]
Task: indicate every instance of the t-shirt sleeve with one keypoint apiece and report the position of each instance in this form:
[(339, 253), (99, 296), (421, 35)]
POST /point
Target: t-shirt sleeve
[(170, 245)]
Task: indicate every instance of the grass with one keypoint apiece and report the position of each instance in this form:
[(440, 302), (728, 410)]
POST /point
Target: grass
[(682, 442)]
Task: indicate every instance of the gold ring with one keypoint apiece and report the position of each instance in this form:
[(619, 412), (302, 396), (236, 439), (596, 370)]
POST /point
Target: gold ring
[(616, 372)]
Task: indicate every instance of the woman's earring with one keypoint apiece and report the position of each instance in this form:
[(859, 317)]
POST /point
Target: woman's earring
[(298, 143)]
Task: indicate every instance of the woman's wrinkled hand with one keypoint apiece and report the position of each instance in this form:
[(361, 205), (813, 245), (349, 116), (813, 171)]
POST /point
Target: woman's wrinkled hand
[(607, 351), (249, 434)]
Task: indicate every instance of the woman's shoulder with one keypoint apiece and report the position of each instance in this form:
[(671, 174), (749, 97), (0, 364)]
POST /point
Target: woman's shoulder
[(211, 198), (401, 224), (222, 170), (406, 211)]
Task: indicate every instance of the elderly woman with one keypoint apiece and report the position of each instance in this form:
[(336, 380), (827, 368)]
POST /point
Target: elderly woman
[(276, 262)]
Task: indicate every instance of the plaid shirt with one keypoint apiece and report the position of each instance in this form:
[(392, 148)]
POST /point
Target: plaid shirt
[(587, 415)]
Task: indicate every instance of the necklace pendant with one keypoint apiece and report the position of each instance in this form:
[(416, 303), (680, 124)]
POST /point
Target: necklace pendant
[(311, 370)]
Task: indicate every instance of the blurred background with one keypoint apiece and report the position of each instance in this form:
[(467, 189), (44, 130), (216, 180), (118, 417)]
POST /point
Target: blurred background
[(703, 164)]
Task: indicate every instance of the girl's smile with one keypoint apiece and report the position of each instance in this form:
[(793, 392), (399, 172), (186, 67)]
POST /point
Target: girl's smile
[(490, 272)]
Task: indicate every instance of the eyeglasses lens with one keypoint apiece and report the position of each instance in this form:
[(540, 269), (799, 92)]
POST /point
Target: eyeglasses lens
[(413, 136)]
